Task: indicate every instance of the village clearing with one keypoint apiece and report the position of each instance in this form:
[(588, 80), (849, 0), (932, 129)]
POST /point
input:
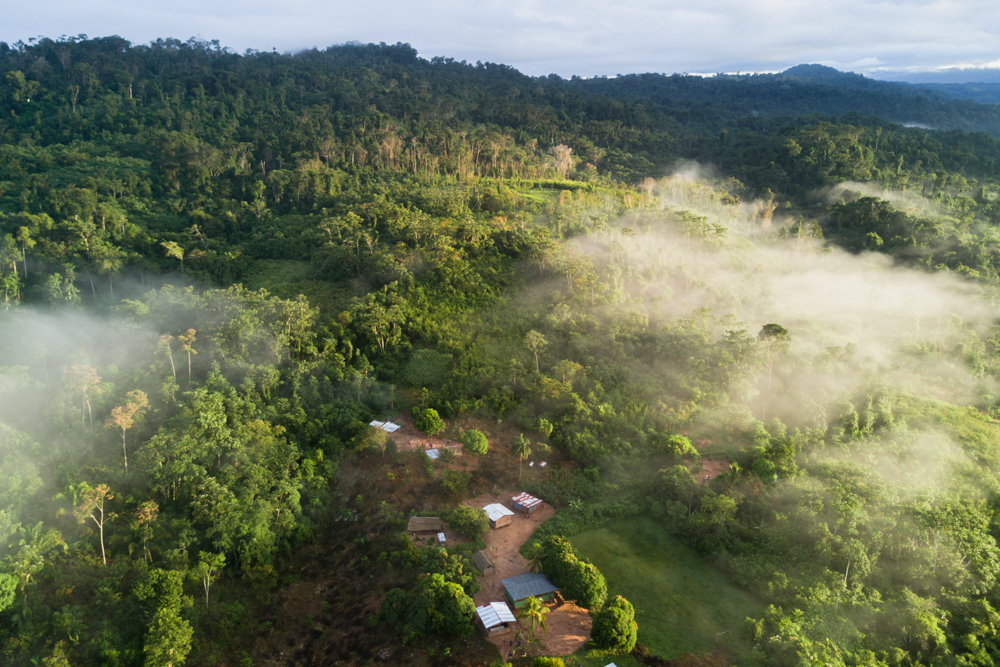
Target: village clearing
[(568, 625)]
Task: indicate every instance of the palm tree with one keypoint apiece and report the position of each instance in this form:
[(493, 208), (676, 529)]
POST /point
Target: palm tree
[(522, 450), (536, 550), (534, 613)]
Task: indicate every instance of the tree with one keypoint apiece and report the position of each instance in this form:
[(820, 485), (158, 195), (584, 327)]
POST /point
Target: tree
[(440, 606), (535, 342), (429, 421), (8, 585), (174, 250), (614, 626), (535, 555), (187, 344), (145, 517), (83, 380), (561, 158), (774, 340), (92, 508), (207, 570), (373, 438), (475, 442), (163, 347), (522, 450), (124, 416), (534, 613), (469, 521)]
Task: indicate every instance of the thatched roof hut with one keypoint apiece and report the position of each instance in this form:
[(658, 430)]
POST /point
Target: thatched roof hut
[(425, 524)]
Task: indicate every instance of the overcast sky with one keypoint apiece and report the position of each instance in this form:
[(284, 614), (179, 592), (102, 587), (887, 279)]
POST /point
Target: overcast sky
[(890, 40)]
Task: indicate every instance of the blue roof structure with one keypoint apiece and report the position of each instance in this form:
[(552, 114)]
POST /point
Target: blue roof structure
[(528, 585)]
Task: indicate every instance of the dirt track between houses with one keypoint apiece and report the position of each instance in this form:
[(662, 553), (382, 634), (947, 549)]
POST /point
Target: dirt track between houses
[(568, 625)]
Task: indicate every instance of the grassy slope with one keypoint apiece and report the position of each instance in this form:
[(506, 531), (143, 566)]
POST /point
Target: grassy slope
[(682, 604)]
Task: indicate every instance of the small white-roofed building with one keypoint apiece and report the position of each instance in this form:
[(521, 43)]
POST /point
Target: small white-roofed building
[(499, 515), (388, 427), (496, 618)]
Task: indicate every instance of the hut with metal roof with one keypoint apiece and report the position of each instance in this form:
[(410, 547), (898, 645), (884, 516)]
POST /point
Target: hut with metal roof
[(424, 524), (483, 563), (526, 503), (496, 618), (499, 515), (519, 589)]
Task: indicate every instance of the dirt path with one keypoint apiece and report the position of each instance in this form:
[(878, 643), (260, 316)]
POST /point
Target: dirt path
[(568, 625)]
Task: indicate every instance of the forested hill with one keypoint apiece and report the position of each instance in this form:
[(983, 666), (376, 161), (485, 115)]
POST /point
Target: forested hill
[(754, 311), (800, 90)]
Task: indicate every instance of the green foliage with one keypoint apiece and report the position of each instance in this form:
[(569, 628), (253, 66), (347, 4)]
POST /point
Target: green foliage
[(439, 606), (614, 626), (455, 484), (475, 442), (8, 584), (578, 578), (548, 662), (469, 521), (428, 421), (426, 368)]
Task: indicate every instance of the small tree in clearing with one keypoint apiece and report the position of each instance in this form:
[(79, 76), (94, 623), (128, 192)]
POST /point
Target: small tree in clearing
[(92, 508), (124, 416), (429, 421), (522, 450), (475, 442)]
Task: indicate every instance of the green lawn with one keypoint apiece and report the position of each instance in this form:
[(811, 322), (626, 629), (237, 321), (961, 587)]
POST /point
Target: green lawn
[(682, 604)]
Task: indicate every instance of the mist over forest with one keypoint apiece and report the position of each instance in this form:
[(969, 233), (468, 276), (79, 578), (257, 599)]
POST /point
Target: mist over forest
[(749, 324)]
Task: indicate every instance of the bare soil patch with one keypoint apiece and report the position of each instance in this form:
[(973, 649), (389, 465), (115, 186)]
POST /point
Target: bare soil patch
[(568, 625), (569, 629), (712, 468)]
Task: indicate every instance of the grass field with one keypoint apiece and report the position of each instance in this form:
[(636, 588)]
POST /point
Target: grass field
[(682, 604)]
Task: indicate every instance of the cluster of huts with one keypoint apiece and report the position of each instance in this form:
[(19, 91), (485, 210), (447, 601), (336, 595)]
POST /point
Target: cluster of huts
[(496, 618)]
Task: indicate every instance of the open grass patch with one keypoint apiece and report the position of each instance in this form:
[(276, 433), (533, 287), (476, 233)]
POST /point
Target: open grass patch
[(682, 604)]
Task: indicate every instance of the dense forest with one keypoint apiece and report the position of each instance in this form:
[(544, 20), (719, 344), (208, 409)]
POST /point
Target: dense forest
[(216, 269)]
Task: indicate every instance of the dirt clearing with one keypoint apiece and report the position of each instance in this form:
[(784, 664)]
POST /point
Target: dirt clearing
[(568, 625)]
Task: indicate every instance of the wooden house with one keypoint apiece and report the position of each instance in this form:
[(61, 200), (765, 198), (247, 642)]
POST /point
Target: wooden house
[(519, 589), (424, 524), (483, 563), (499, 515), (526, 503), (496, 618)]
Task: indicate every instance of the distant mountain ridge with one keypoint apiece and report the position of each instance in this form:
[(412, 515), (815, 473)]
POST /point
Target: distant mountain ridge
[(809, 89)]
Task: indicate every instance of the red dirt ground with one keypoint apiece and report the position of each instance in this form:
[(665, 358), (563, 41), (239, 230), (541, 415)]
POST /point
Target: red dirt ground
[(712, 468), (568, 625)]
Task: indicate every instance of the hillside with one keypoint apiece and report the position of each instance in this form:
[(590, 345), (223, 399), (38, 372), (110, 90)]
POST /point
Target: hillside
[(751, 319)]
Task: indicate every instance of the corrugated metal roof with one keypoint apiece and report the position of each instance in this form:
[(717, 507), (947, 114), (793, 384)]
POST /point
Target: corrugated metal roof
[(496, 511), (528, 585), (495, 613), (525, 500), (432, 453), (388, 427)]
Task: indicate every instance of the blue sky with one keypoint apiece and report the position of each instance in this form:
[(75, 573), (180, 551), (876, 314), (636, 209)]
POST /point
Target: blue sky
[(892, 40)]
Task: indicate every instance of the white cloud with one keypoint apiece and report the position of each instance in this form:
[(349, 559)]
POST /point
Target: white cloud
[(584, 37)]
